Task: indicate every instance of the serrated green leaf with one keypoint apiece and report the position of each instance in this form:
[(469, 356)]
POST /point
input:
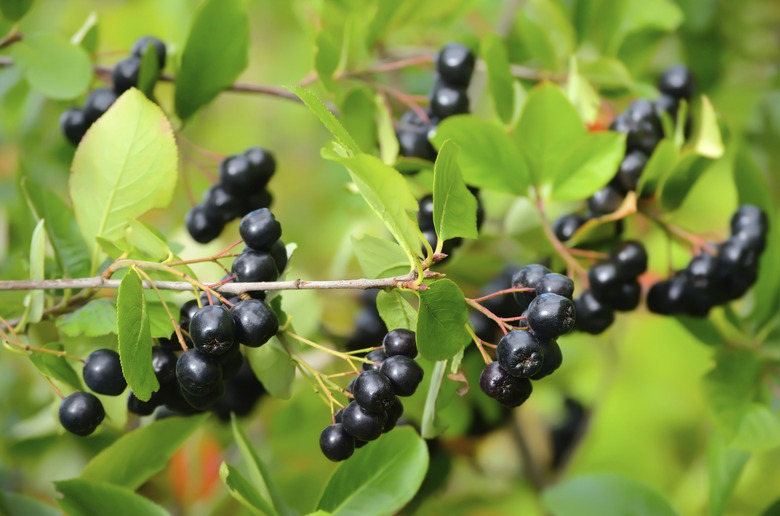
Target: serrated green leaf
[(441, 320), (724, 466), (215, 54), (125, 165), (359, 485), (149, 71), (135, 340), (327, 118), (52, 65), (240, 489), (274, 367), (500, 79), (15, 10), (14, 504), (82, 498), (143, 238), (454, 207), (395, 310), (379, 258), (588, 166), (601, 494), (658, 166), (56, 367), (61, 226), (138, 455), (96, 318), (488, 156), (34, 300)]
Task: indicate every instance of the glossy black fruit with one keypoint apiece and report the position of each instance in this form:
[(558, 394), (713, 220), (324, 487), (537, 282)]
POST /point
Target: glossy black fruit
[(103, 372), (231, 362), (336, 443), (508, 390), (678, 82), (748, 215), (254, 266), (254, 323), (455, 64), (414, 143), (260, 229), (81, 413), (206, 400), (369, 330), (74, 124), (641, 134), (630, 259), (98, 101), (627, 296), (279, 253), (605, 279), (186, 311), (362, 424), (164, 365), (257, 200), (551, 315), (125, 74), (400, 342), (138, 407), (631, 169), (554, 283), (605, 201), (394, 413), (667, 104), (735, 258), (204, 224), (217, 199), (564, 227), (211, 330), (527, 277), (404, 374), (520, 354), (242, 392), (593, 316), (198, 373), (378, 356), (139, 47), (553, 358), (262, 164), (373, 391), (447, 101)]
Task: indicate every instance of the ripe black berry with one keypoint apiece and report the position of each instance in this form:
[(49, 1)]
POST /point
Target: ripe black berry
[(373, 391), (404, 374), (520, 354), (414, 143), (141, 408), (336, 444), (455, 64), (198, 373), (257, 200), (553, 358), (231, 362), (641, 133), (394, 413), (139, 47), (186, 311), (630, 259), (677, 81), (565, 226), (554, 283), (254, 323), (627, 296), (605, 279), (98, 101), (203, 223), (211, 330), (748, 215), (605, 201), (400, 342), (667, 104), (242, 393), (593, 316), (527, 277), (164, 365), (735, 257), (362, 424), (81, 413), (217, 199), (103, 372), (631, 169), (508, 390), (448, 101), (279, 253), (378, 356), (125, 74), (261, 164), (74, 124), (551, 315), (254, 266), (206, 400), (260, 229)]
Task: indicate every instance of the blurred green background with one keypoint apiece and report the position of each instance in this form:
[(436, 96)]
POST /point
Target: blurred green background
[(642, 378)]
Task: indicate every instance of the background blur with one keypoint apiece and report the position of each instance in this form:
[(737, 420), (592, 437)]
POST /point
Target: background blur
[(642, 378)]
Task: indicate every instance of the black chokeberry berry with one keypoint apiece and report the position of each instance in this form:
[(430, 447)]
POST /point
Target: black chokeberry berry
[(373, 391), (259, 229), (551, 315), (139, 47), (605, 201), (627, 296), (404, 374), (528, 277), (186, 311), (553, 358), (103, 372), (414, 143), (631, 169), (211, 330), (141, 408), (520, 354), (262, 165), (748, 215), (254, 266), (630, 259), (378, 356), (605, 279), (204, 224), (206, 400), (98, 101), (400, 342), (279, 253), (125, 74), (198, 373), (231, 362), (74, 124), (447, 101), (593, 316), (256, 201), (81, 413), (164, 365), (658, 298), (336, 443), (394, 413), (217, 199), (508, 390), (735, 257), (455, 64), (677, 81), (554, 283), (362, 424), (564, 227), (254, 322)]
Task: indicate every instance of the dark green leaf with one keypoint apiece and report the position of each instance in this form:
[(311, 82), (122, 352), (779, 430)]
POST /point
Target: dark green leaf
[(357, 115), (701, 329), (454, 207), (429, 427), (360, 485), (327, 118), (441, 331), (13, 504), (82, 498), (488, 157), (125, 166), (135, 340), (395, 310), (725, 466), (52, 65), (215, 54), (658, 166), (500, 80), (274, 368), (138, 455), (149, 71), (678, 183), (601, 494), (588, 166), (56, 367), (96, 318), (15, 9), (240, 489)]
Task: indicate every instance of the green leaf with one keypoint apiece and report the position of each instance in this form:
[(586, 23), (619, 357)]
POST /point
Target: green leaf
[(215, 54), (379, 258), (615, 20), (258, 471), (14, 10), (548, 126), (274, 367), (61, 226), (146, 240), (679, 181), (96, 318), (730, 387), (135, 457), (13, 504), (500, 80), (441, 331), (488, 157), (87, 35), (588, 166), (359, 486), (82, 498), (125, 165), (546, 33), (149, 71), (240, 489), (658, 166), (357, 115), (395, 310), (429, 427), (454, 207), (388, 194), (388, 141), (759, 429), (34, 300), (327, 118), (724, 466), (56, 367), (52, 65), (600, 494), (581, 94), (135, 340)]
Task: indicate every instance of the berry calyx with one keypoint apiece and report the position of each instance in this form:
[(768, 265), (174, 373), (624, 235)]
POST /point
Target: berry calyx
[(553, 358), (81, 413), (103, 372), (520, 354)]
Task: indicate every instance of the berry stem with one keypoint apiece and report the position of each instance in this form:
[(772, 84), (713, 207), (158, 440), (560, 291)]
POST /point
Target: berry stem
[(176, 327), (571, 264), (13, 36), (53, 387), (696, 243), (501, 324), (343, 356), (478, 342), (502, 292), (14, 340)]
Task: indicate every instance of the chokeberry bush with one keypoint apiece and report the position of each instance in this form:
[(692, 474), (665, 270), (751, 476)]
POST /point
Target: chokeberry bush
[(389, 257)]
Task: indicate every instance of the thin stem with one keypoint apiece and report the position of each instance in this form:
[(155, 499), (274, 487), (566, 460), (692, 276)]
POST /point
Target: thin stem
[(343, 356), (572, 264), (53, 387), (221, 254), (696, 243), (13, 36), (176, 327), (501, 324), (502, 292), (15, 341), (529, 462), (478, 343)]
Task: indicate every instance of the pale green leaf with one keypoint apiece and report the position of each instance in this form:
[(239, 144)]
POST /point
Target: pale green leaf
[(327, 118), (274, 367), (724, 466), (591, 163), (34, 301), (53, 65), (395, 310), (96, 318), (379, 258), (135, 340), (500, 80), (240, 489), (454, 207)]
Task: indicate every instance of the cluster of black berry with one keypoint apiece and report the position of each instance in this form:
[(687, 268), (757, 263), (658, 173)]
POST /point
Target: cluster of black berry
[(369, 329), (375, 408), (712, 279), (75, 121), (641, 123), (454, 66), (243, 179), (425, 222), (614, 286), (532, 352)]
